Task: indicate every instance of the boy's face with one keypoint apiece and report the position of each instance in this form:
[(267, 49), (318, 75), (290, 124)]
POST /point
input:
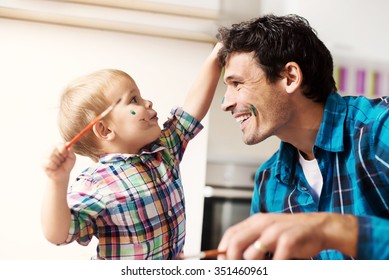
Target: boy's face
[(133, 121)]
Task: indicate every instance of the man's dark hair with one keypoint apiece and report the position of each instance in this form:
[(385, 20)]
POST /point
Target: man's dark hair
[(277, 40)]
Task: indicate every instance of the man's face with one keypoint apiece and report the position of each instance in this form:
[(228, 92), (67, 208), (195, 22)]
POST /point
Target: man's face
[(261, 109)]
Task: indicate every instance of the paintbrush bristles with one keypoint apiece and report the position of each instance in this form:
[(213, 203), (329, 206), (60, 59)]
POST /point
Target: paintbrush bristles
[(109, 109)]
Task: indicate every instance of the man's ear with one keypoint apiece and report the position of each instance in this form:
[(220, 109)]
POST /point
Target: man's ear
[(293, 77), (102, 132)]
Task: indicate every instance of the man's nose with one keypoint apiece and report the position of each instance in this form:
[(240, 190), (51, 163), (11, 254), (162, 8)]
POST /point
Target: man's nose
[(228, 102)]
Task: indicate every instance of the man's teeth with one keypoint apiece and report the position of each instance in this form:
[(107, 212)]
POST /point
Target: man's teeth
[(242, 118)]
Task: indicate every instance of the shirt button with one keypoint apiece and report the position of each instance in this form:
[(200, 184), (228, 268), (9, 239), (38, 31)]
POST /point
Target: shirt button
[(304, 189), (169, 213)]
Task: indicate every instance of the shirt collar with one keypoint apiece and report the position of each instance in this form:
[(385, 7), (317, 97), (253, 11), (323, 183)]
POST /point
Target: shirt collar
[(331, 132), (146, 151), (285, 162)]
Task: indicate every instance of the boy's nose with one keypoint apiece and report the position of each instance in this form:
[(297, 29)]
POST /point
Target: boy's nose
[(149, 104)]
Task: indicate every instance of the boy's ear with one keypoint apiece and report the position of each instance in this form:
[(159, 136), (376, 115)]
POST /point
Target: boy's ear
[(102, 131), (293, 77)]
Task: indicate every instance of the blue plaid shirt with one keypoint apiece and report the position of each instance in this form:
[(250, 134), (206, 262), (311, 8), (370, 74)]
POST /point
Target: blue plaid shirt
[(352, 150)]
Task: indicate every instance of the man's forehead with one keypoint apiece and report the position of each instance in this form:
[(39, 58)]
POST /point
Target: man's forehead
[(239, 65)]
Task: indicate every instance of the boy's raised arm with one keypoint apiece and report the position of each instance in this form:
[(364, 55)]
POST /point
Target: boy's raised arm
[(201, 93)]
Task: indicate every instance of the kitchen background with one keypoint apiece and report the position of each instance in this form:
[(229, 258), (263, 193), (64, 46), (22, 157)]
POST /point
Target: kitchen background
[(45, 44)]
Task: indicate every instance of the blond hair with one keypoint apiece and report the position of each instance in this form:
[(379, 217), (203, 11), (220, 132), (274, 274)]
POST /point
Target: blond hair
[(81, 102)]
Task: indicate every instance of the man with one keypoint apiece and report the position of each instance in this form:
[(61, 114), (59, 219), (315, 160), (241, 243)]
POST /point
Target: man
[(325, 193)]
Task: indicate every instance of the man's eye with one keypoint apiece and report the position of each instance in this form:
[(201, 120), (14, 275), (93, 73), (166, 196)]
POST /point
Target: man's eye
[(236, 84)]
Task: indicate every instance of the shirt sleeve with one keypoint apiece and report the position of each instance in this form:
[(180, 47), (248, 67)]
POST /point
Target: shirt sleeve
[(373, 238), (85, 207), (374, 231), (380, 140), (178, 130)]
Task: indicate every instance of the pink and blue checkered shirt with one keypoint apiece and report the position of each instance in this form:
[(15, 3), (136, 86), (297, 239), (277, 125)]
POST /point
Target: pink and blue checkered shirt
[(134, 204)]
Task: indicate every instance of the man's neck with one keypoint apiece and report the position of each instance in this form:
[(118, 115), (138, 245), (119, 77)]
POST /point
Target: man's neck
[(304, 126)]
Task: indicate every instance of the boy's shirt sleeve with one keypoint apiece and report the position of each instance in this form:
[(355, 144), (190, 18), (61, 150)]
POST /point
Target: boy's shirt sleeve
[(178, 130), (85, 207)]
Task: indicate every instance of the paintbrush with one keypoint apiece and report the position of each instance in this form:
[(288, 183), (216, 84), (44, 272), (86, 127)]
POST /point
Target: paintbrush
[(91, 124), (203, 255)]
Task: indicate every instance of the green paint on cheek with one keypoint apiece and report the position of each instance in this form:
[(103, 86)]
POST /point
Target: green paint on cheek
[(133, 112), (253, 109), (223, 100)]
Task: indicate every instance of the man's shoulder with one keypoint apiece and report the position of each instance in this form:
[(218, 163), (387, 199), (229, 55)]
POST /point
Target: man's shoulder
[(369, 108)]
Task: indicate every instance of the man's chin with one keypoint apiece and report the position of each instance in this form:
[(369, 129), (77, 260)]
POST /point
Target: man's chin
[(253, 140)]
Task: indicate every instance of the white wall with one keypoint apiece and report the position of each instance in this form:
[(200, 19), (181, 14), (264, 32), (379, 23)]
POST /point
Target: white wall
[(37, 61)]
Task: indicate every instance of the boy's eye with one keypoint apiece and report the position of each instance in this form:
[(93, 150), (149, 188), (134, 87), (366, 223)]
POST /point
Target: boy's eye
[(134, 100)]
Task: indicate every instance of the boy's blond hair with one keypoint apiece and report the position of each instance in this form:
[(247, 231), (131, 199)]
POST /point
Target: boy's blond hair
[(83, 100)]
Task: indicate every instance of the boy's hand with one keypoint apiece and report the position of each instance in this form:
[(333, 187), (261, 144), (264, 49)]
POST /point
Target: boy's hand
[(59, 163)]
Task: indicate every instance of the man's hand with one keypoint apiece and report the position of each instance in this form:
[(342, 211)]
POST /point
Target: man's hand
[(290, 236)]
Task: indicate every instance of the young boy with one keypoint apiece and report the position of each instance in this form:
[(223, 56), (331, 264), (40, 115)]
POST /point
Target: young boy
[(131, 199)]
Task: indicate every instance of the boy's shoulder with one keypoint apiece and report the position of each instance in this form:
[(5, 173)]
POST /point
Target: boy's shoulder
[(94, 172)]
